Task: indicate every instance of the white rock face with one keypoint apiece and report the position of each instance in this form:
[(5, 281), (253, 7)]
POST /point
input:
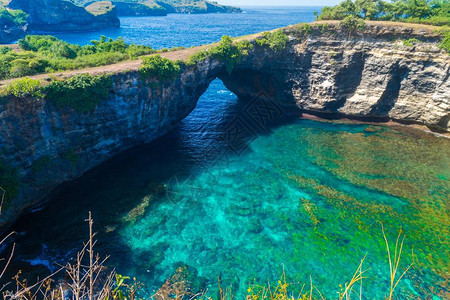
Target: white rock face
[(372, 74)]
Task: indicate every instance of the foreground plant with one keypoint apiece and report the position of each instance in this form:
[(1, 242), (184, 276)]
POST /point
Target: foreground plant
[(87, 278), (394, 264)]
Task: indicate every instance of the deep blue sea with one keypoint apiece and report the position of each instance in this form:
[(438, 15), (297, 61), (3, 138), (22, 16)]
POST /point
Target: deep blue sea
[(298, 196), (187, 30)]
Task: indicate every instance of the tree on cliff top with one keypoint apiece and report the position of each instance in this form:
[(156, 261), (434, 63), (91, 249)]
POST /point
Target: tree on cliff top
[(435, 12)]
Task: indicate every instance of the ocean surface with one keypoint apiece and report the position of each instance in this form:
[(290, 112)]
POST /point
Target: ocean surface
[(186, 30), (286, 196)]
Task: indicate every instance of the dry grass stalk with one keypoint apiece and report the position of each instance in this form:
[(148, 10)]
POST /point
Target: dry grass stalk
[(393, 265), (357, 277), (91, 259), (83, 278), (85, 281), (225, 294)]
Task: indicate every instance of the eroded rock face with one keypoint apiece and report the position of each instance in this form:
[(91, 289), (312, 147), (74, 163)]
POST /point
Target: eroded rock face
[(50, 146), (61, 15), (369, 75)]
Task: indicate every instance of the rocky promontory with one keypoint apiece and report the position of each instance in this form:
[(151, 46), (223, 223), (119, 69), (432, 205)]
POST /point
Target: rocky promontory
[(62, 15), (164, 7), (85, 15)]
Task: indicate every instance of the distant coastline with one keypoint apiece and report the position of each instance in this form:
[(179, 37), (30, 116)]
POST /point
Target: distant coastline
[(21, 17)]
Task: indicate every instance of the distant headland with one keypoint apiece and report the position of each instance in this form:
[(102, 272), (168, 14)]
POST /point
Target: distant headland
[(19, 17)]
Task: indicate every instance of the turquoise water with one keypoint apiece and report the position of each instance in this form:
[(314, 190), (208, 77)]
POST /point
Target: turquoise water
[(297, 195), (286, 194)]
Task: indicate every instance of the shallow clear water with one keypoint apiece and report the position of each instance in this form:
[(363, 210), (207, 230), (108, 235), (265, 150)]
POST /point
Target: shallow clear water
[(301, 195), (292, 194)]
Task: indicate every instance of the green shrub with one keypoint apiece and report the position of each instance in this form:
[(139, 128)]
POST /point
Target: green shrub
[(433, 12), (5, 67), (197, 57), (445, 43), (411, 42), (352, 24), (244, 46), (37, 42), (135, 51), (306, 29), (227, 51), (24, 87), (276, 40), (9, 181), (323, 27), (86, 61), (20, 67), (160, 67), (45, 53), (27, 66), (4, 50), (80, 92)]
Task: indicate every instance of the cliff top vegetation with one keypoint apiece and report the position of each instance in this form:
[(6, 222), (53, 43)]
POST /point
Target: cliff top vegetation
[(100, 7), (432, 12), (46, 54), (12, 17), (167, 6)]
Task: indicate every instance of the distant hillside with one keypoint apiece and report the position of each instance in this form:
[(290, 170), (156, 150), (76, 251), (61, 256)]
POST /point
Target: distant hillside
[(17, 17), (13, 23), (65, 15), (163, 7)]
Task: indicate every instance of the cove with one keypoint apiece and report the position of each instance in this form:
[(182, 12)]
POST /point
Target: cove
[(296, 195)]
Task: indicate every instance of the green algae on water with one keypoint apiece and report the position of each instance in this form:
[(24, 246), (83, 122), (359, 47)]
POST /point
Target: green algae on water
[(308, 198)]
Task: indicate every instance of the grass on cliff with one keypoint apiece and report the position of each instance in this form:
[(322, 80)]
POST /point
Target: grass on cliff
[(46, 54), (159, 67), (445, 43), (80, 92), (231, 52), (226, 51), (87, 277)]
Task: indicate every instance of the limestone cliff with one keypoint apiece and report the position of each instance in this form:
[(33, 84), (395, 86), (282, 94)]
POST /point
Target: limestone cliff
[(61, 15), (370, 74), (50, 146), (367, 74)]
